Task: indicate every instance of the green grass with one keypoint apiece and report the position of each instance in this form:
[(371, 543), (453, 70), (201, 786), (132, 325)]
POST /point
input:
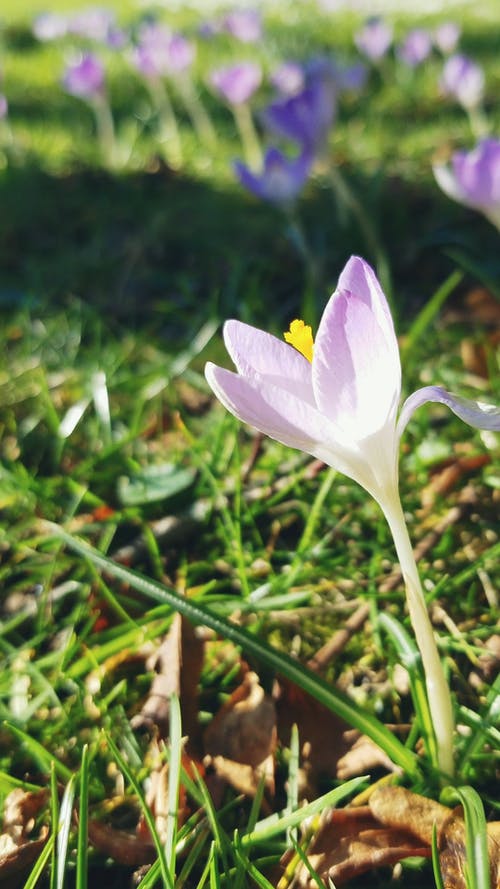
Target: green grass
[(113, 284)]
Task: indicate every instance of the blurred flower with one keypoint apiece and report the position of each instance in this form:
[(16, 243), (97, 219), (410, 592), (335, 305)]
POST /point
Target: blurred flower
[(352, 78), (180, 54), (446, 36), (4, 106), (288, 78), (85, 78), (237, 83), (244, 24), (305, 118), (50, 26), (374, 39), (464, 80), (281, 179), (93, 23), (474, 179), (160, 52), (415, 48)]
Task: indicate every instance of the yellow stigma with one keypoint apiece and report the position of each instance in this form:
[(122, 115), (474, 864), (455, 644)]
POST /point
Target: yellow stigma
[(300, 336)]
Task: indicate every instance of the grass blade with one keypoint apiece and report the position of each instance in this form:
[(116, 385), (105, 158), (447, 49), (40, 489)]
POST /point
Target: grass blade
[(83, 814), (275, 660), (477, 867)]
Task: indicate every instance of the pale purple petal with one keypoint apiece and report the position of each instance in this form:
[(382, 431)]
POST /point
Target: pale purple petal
[(448, 183), (374, 39), (475, 413), (359, 278), (282, 178), (356, 369), (288, 419), (464, 80), (255, 352), (270, 409), (446, 36), (237, 83), (415, 48)]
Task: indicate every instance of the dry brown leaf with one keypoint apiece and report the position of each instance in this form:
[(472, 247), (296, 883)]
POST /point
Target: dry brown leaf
[(398, 807), (120, 845), (351, 842), (244, 729), (16, 860), (395, 806), (245, 778), (321, 733), (449, 474), (363, 756), (177, 665), (17, 852)]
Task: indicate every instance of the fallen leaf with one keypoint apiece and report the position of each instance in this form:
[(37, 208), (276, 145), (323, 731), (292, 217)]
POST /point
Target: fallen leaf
[(177, 664), (351, 842), (17, 852), (120, 845), (244, 729)]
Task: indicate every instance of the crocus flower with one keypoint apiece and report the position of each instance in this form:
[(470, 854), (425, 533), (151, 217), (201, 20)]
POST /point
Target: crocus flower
[(93, 23), (237, 83), (50, 26), (281, 179), (306, 117), (474, 178), (446, 37), (337, 399), (288, 78), (416, 47), (85, 78), (4, 106), (244, 24), (464, 80), (374, 39)]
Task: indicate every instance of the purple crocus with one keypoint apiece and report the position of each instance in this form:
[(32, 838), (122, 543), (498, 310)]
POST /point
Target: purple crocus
[(337, 399), (162, 52), (446, 37), (307, 117), (4, 106), (473, 179), (93, 23), (288, 78), (244, 24), (415, 48), (464, 80), (85, 78), (374, 39), (50, 26), (237, 83), (281, 180)]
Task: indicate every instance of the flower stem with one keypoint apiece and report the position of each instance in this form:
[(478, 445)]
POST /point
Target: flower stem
[(248, 134), (438, 693), (105, 130), (196, 110), (169, 130)]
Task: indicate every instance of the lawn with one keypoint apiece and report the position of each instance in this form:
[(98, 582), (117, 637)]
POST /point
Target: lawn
[(221, 662)]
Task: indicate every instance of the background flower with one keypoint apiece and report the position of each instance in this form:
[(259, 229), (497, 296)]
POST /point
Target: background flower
[(464, 80), (474, 178), (237, 83)]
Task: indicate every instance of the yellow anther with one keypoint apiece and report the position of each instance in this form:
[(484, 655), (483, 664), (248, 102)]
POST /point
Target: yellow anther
[(300, 337)]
